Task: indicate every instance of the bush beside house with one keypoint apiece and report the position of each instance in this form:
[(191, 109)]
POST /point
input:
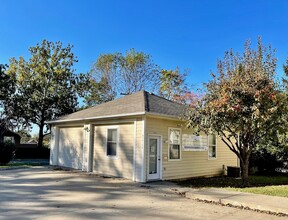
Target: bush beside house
[(265, 160), (7, 152)]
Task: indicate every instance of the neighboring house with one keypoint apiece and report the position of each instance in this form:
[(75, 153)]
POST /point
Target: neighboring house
[(139, 137), (11, 136), (16, 139), (29, 144)]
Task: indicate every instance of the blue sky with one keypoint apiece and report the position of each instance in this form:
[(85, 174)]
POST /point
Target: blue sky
[(189, 34)]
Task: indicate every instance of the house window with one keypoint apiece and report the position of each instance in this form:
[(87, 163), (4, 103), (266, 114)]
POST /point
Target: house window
[(112, 135), (174, 144), (9, 139), (212, 146)]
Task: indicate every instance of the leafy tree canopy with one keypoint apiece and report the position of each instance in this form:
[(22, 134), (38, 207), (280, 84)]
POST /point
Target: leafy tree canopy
[(243, 104), (172, 84), (46, 85), (7, 87), (115, 74)]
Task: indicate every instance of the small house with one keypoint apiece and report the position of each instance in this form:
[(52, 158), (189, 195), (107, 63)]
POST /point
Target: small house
[(10, 136), (140, 137)]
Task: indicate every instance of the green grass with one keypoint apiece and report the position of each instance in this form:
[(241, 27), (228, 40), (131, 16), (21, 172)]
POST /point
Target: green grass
[(18, 164), (265, 190), (276, 185)]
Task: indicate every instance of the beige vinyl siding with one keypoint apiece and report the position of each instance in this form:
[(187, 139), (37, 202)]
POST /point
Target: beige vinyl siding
[(192, 163), (138, 150), (122, 164)]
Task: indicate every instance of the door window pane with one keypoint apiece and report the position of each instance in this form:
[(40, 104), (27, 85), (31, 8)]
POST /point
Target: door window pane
[(152, 156)]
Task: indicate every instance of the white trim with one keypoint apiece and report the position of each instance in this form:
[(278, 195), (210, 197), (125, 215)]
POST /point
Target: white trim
[(97, 117), (151, 114), (143, 166), (85, 148), (90, 148), (101, 122), (111, 123), (159, 138), (180, 144), (165, 116), (71, 126), (117, 144), (216, 146), (134, 151)]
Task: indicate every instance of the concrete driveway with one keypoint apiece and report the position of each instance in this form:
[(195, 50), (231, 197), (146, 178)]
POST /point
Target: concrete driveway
[(41, 193)]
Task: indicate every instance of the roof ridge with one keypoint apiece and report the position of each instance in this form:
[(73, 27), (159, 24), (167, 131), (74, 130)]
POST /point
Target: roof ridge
[(164, 98), (146, 101)]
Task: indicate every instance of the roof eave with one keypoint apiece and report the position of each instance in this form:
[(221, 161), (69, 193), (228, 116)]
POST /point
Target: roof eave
[(151, 114), (95, 118), (159, 115)]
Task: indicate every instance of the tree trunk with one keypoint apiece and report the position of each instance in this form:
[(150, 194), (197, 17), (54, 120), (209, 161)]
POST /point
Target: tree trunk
[(40, 138), (245, 172)]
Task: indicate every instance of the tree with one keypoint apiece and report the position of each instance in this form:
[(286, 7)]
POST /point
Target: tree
[(25, 135), (46, 85), (172, 84), (98, 92), (243, 104), (285, 78), (137, 72), (103, 78), (7, 87), (119, 74)]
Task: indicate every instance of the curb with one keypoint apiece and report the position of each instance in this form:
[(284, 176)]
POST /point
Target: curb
[(231, 202)]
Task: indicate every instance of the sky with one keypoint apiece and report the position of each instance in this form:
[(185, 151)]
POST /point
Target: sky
[(189, 34)]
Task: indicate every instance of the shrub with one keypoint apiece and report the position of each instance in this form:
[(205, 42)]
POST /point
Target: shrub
[(267, 158), (7, 151), (32, 153)]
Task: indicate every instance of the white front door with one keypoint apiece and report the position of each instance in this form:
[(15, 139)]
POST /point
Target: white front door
[(154, 157)]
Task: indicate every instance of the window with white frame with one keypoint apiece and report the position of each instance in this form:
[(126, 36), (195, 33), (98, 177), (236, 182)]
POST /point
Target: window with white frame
[(112, 134), (9, 139), (212, 146), (174, 144)]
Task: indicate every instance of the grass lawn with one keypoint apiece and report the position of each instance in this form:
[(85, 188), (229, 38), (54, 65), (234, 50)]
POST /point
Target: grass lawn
[(268, 185), (19, 164), (265, 190)]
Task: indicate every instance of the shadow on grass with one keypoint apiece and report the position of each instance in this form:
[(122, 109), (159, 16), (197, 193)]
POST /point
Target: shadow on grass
[(224, 181), (20, 164)]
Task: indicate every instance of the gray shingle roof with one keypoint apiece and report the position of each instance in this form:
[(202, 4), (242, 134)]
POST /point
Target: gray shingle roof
[(138, 103)]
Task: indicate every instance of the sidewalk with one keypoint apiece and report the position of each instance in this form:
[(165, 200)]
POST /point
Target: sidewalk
[(226, 197)]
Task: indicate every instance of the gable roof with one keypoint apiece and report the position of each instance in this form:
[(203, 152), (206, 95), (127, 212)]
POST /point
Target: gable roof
[(10, 133), (138, 103)]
